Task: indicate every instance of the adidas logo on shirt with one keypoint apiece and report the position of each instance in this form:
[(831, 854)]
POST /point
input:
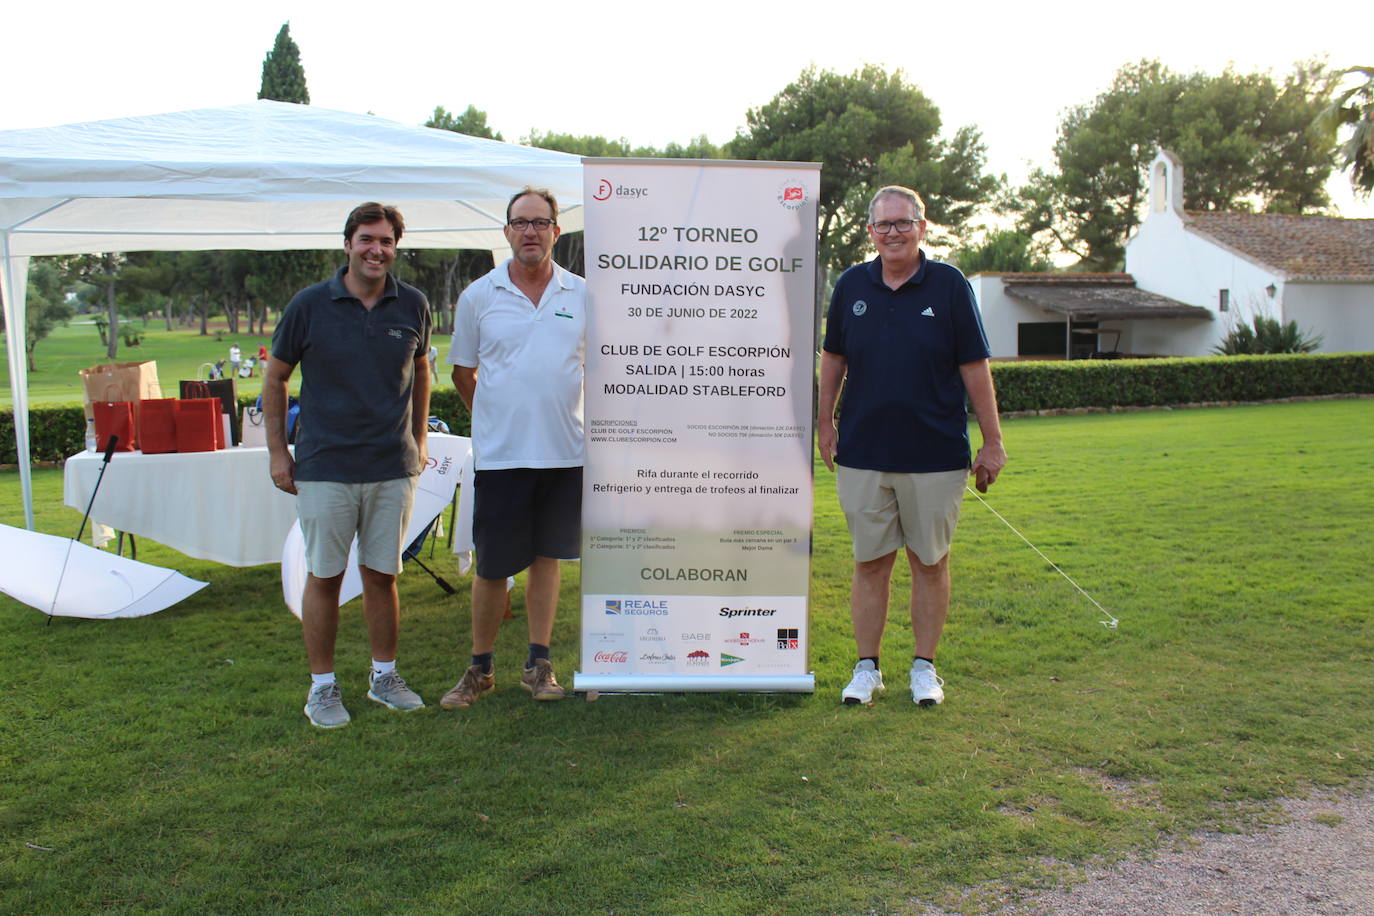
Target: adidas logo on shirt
[(927, 312)]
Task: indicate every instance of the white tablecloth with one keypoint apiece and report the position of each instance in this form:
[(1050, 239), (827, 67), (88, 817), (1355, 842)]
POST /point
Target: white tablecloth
[(218, 506)]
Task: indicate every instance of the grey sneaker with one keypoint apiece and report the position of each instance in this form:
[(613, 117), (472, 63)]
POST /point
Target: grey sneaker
[(324, 707), (391, 691), (867, 681), (926, 685)]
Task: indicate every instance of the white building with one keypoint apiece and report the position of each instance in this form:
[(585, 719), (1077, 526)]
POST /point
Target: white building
[(1191, 276), (1075, 316), (1315, 270)]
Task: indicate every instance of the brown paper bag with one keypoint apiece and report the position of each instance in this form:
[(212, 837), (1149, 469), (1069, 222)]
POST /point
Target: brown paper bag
[(120, 382)]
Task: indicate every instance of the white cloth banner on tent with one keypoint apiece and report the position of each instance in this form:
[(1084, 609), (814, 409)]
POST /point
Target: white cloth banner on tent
[(462, 525), (696, 525)]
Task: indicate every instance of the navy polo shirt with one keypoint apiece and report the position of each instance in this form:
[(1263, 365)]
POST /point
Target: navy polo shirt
[(903, 408), (357, 378)]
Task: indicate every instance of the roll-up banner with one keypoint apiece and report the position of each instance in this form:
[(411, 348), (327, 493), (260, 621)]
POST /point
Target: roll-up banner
[(696, 503)]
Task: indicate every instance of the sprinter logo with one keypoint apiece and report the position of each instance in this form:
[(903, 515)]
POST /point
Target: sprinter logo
[(732, 612)]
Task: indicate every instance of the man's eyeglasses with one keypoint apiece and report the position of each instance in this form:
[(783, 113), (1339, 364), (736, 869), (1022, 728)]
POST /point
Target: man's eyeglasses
[(520, 224), (883, 227)]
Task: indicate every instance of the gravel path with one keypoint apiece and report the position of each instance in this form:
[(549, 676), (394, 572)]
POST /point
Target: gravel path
[(1321, 860)]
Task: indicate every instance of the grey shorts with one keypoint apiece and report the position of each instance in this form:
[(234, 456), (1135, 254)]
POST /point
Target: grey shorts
[(331, 513), (886, 511)]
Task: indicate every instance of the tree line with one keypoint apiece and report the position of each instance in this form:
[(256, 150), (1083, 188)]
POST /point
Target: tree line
[(1250, 142)]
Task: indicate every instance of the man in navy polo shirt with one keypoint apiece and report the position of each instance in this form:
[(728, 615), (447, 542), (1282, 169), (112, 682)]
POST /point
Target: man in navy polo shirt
[(361, 339), (904, 339)]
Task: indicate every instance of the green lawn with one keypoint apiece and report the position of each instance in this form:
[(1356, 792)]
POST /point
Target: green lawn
[(180, 354), (162, 764)]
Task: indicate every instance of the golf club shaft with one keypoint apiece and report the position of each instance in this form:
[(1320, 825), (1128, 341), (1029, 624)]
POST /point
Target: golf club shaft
[(109, 453), (1110, 622)]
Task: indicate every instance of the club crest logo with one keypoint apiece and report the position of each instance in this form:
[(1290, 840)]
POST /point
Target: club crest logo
[(792, 194), (860, 307)]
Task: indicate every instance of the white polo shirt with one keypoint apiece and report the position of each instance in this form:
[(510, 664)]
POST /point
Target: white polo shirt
[(527, 410)]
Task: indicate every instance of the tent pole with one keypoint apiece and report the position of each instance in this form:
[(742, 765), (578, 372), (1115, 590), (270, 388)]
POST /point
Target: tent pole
[(14, 281)]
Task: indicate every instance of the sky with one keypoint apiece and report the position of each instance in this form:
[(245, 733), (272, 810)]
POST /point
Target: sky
[(650, 72)]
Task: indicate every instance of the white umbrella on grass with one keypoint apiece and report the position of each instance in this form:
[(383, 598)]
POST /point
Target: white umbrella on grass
[(65, 578)]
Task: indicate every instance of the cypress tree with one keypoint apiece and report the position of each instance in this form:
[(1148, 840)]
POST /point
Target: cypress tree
[(283, 77)]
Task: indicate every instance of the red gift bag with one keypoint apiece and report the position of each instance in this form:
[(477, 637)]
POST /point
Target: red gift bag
[(157, 426), (198, 425), (114, 418), (227, 391)]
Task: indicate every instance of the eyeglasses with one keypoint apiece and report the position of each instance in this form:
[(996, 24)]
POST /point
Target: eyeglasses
[(883, 227), (520, 224)]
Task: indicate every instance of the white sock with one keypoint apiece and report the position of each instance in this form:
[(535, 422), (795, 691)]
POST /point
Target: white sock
[(380, 668), (320, 680)]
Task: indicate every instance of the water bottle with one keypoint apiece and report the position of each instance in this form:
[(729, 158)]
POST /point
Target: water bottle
[(91, 445)]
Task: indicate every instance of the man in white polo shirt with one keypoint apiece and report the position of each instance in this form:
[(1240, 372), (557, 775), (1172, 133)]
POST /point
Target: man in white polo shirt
[(517, 355)]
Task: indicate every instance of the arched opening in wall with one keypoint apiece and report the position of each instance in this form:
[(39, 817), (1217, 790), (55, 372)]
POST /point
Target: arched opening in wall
[(1159, 188)]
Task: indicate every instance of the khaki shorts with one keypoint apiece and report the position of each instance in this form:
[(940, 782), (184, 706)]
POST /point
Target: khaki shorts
[(331, 513), (886, 511)]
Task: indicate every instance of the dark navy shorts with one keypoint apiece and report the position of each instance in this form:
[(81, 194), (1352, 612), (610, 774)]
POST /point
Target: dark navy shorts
[(522, 513)]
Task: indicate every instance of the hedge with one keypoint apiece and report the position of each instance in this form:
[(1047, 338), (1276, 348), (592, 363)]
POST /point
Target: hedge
[(58, 431), (55, 431), (1191, 380)]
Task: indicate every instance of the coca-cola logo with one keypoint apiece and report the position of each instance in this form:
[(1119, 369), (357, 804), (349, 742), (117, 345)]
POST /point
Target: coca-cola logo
[(613, 658)]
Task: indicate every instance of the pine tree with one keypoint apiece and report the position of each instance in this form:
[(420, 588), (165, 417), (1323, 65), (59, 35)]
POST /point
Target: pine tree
[(283, 77)]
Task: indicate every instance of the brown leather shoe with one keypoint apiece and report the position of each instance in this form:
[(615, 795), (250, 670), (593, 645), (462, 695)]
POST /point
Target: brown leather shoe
[(473, 684), (540, 682)]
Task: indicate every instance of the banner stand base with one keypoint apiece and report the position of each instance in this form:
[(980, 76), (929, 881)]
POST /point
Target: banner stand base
[(693, 683)]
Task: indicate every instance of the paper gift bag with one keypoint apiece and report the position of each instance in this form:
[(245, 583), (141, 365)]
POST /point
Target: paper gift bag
[(198, 425), (254, 433), (115, 418), (226, 389), (109, 382), (157, 426)]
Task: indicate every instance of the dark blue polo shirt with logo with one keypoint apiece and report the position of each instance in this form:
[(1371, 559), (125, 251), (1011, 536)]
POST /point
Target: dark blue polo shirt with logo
[(903, 406), (357, 377)]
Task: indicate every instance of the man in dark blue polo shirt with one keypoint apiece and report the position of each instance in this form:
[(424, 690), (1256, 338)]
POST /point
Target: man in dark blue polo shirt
[(361, 339), (904, 339)]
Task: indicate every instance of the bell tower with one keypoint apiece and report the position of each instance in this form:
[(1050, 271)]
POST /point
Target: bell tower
[(1166, 184)]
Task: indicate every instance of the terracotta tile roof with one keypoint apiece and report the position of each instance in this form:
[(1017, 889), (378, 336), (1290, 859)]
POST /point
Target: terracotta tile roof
[(1062, 279), (1096, 297), (1302, 247)]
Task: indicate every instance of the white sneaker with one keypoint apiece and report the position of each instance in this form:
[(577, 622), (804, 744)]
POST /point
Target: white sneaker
[(867, 681), (926, 684)]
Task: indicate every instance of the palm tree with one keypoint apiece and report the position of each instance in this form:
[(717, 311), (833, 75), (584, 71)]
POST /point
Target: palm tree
[(1354, 106)]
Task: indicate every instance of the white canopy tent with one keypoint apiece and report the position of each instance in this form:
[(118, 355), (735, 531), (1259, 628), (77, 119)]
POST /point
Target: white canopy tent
[(263, 176)]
